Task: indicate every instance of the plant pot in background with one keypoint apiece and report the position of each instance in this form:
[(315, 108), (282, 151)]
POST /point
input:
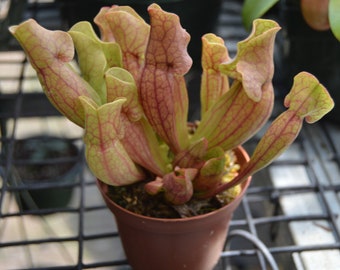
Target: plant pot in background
[(44, 169), (180, 243), (317, 52)]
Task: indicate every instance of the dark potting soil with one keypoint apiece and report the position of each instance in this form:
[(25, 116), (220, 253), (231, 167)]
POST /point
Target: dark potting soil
[(135, 199)]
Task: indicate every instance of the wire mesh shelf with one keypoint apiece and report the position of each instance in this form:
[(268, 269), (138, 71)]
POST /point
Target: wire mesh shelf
[(289, 218)]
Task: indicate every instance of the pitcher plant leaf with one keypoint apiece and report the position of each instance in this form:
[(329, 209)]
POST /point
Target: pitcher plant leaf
[(213, 83), (49, 53), (162, 90), (131, 32), (308, 99), (105, 154)]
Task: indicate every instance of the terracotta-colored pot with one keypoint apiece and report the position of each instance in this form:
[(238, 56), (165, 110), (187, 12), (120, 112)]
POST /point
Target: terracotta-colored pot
[(182, 243)]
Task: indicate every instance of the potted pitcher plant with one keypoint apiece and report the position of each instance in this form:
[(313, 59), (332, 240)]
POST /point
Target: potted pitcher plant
[(171, 185)]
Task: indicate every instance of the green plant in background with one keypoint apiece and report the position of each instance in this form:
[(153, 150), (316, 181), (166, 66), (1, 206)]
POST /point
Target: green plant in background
[(318, 14), (131, 99)]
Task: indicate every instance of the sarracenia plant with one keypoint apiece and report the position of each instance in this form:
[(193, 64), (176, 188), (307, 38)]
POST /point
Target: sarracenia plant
[(131, 99)]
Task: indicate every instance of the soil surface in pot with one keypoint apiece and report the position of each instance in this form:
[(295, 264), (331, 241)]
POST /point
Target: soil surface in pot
[(135, 199)]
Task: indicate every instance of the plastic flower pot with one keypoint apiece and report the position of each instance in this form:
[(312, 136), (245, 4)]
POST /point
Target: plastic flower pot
[(44, 170), (179, 243)]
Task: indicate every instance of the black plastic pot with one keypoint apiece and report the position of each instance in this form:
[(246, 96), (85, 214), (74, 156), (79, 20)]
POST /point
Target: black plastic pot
[(44, 172)]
